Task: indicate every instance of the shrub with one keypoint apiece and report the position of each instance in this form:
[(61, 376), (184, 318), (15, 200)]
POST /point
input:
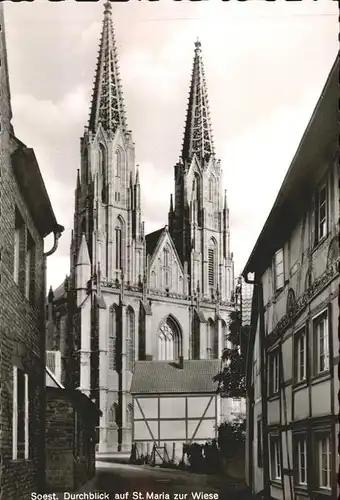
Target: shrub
[(231, 437)]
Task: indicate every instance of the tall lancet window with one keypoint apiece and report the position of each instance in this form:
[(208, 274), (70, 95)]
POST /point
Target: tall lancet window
[(103, 173), (166, 266), (211, 189), (112, 356), (212, 264), (169, 341), (119, 244), (119, 162), (130, 336), (211, 340)]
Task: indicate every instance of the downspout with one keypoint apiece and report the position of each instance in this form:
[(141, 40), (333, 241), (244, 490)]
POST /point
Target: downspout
[(263, 380), (42, 451)]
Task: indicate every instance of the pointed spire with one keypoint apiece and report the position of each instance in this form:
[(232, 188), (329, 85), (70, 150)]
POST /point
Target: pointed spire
[(198, 137), (225, 200), (107, 105), (137, 175), (83, 254), (78, 179)]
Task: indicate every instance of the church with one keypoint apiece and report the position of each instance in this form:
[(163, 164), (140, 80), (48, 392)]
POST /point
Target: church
[(136, 308)]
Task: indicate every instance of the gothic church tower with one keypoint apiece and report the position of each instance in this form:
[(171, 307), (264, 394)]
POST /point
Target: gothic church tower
[(199, 221), (107, 197)]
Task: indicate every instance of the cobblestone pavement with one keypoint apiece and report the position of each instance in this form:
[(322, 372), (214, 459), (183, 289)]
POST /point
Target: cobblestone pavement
[(130, 482)]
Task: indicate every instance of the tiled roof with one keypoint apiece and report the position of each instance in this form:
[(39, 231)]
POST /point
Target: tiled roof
[(155, 377), (152, 240)]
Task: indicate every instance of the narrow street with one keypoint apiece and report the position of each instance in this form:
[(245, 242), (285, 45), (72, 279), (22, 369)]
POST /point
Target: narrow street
[(149, 483)]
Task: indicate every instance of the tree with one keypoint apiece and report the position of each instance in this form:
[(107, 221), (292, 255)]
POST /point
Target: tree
[(231, 378)]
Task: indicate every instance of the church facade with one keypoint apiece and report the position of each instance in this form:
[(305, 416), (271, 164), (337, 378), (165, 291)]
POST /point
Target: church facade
[(162, 297)]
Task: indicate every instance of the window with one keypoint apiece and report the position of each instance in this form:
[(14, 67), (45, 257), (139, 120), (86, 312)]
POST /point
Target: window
[(279, 271), (130, 334), (166, 257), (323, 460), (300, 460), (211, 190), (211, 263), (18, 237), (166, 264), (321, 343), (118, 248), (102, 163), (119, 161), (20, 437), (274, 372), (112, 339), (320, 214), (211, 343), (169, 341), (30, 267), (117, 196), (300, 356), (275, 457), (259, 444)]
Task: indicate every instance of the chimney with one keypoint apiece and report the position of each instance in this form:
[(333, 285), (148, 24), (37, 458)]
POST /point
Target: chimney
[(180, 362)]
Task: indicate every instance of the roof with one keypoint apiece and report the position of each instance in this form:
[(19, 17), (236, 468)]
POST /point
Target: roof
[(308, 166), (152, 240), (32, 186), (156, 377)]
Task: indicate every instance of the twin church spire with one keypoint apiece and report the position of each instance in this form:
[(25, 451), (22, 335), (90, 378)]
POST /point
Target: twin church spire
[(198, 136), (107, 106)]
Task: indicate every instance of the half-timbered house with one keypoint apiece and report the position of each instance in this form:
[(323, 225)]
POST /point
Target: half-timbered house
[(292, 375)]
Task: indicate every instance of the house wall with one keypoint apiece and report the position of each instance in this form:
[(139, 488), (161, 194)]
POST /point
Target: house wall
[(20, 319), (70, 447), (311, 405), (172, 420)]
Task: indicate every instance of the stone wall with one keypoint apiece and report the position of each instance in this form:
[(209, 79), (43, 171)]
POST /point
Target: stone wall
[(70, 429), (21, 334)]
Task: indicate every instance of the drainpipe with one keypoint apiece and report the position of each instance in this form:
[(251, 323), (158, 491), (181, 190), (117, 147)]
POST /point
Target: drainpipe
[(42, 451), (263, 380)]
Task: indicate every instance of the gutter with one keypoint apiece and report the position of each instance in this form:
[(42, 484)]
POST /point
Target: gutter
[(258, 290), (57, 232)]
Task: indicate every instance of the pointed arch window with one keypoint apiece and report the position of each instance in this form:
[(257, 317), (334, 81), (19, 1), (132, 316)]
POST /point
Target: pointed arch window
[(119, 244), (112, 355), (224, 334), (211, 189), (103, 173), (166, 266), (130, 335), (169, 341), (212, 346), (212, 264), (119, 163)]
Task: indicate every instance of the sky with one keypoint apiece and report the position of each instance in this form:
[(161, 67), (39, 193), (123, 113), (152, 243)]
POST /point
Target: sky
[(265, 64)]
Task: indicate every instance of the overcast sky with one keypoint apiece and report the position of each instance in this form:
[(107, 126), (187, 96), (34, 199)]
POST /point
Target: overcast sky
[(265, 64)]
